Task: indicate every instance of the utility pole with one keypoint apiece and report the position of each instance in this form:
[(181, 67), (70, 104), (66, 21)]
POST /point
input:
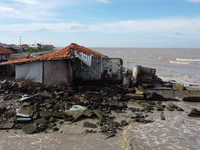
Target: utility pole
[(20, 40)]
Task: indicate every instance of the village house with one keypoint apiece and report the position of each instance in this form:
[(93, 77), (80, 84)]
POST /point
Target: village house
[(4, 56), (25, 47), (73, 63)]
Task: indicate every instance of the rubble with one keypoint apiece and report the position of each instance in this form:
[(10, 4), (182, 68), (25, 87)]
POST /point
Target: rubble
[(42, 109), (194, 113), (191, 99)]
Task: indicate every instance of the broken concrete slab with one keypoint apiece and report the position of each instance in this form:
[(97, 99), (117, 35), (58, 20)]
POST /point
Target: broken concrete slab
[(29, 129), (24, 112), (7, 126), (134, 96), (89, 125), (191, 99), (144, 74), (194, 113)]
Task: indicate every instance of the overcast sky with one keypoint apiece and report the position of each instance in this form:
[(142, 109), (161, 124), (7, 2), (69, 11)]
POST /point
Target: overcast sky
[(102, 23)]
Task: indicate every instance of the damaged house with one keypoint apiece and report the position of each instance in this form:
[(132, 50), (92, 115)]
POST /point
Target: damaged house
[(4, 56), (70, 64)]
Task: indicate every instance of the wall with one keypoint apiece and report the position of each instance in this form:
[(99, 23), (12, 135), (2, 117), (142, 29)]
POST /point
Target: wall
[(56, 72), (112, 69)]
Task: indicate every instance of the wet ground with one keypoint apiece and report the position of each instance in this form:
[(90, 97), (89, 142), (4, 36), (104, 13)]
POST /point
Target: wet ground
[(139, 126)]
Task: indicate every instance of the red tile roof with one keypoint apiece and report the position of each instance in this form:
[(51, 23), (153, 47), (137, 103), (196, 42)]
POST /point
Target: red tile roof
[(24, 46), (4, 50), (51, 46), (62, 53)]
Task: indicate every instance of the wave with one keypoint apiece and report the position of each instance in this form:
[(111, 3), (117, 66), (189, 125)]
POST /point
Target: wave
[(190, 60), (179, 62)]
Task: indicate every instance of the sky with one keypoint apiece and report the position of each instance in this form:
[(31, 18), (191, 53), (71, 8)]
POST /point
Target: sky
[(102, 23)]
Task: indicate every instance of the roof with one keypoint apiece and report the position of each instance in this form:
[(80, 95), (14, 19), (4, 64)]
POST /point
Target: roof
[(24, 46), (4, 50), (48, 46), (59, 54)]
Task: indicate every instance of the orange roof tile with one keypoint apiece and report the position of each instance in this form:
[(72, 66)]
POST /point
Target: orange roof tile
[(62, 53), (4, 50)]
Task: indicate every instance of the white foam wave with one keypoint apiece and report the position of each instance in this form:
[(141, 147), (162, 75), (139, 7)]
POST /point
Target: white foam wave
[(179, 62), (190, 60)]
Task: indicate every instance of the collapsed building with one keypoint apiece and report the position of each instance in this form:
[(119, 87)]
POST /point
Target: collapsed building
[(67, 65)]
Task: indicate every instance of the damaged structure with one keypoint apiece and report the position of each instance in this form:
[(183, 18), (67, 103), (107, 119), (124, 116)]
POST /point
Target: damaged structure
[(70, 64)]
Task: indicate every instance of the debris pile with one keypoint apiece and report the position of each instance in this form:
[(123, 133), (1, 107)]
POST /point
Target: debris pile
[(40, 109)]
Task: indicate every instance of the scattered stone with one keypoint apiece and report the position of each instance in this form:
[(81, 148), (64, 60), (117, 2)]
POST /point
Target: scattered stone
[(89, 125), (179, 109), (29, 129), (194, 113), (124, 123), (162, 116), (134, 96)]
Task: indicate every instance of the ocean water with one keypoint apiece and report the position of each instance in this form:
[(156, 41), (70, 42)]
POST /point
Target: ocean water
[(181, 65)]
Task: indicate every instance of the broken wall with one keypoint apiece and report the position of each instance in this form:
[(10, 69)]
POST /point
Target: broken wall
[(101, 68), (84, 71), (112, 69)]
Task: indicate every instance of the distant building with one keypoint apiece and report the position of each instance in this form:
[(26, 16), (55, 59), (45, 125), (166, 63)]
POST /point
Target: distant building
[(50, 47), (12, 47), (4, 56), (34, 46), (25, 47)]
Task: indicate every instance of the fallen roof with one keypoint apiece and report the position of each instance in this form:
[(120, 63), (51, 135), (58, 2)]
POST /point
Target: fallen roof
[(4, 50), (62, 53)]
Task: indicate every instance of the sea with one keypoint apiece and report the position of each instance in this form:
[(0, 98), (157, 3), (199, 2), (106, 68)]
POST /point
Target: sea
[(172, 64), (181, 65)]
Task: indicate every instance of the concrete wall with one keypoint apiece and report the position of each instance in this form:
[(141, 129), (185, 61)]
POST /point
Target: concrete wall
[(56, 72), (112, 69)]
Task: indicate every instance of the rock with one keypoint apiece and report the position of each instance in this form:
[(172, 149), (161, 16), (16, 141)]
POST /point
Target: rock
[(172, 105), (191, 99), (179, 109), (148, 120), (179, 86), (89, 125), (162, 116), (56, 129), (160, 108), (126, 81), (134, 96), (124, 123), (29, 129), (194, 113)]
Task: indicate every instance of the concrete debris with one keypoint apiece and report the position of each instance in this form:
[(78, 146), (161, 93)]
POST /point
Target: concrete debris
[(29, 129), (42, 108), (191, 99), (7, 126), (194, 113), (89, 125)]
